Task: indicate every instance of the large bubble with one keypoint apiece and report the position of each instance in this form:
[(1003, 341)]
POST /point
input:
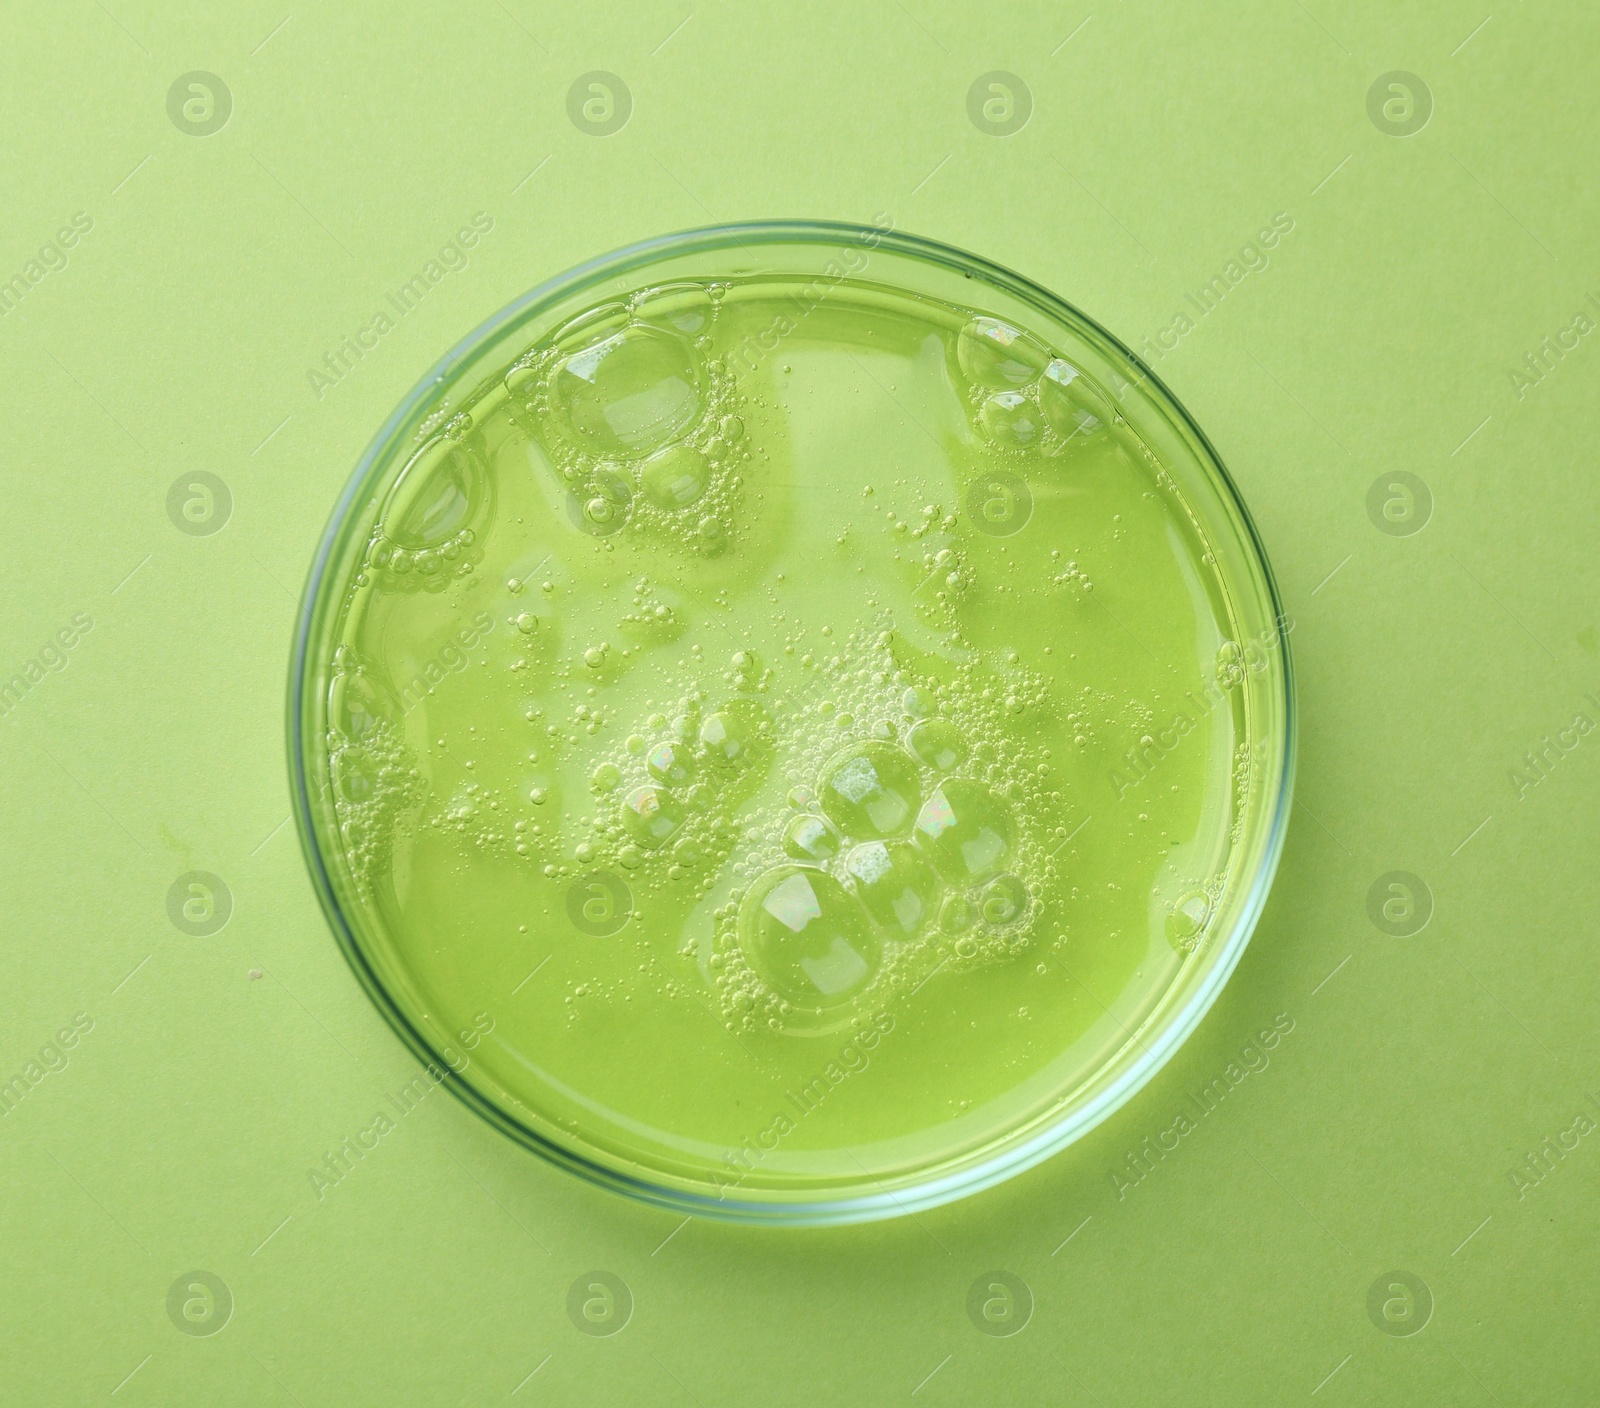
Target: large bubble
[(675, 477), (632, 392), (442, 490), (687, 308), (995, 355), (360, 704), (870, 790), (1011, 419), (356, 774), (938, 743), (651, 816), (895, 884), (807, 938), (811, 838), (670, 762), (728, 736), (1071, 404), (965, 830)]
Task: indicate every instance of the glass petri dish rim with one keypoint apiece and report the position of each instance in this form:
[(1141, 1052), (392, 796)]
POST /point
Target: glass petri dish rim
[(811, 1210)]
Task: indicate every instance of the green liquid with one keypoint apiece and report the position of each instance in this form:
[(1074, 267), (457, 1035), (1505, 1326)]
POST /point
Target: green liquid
[(756, 739)]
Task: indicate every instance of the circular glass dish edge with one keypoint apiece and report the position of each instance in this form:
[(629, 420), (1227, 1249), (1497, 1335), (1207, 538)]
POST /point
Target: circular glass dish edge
[(812, 1210)]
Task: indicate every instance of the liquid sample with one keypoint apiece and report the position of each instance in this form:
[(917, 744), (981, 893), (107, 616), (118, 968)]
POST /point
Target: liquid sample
[(786, 742)]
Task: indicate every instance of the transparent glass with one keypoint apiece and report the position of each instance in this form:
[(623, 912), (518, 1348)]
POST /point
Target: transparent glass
[(1053, 615)]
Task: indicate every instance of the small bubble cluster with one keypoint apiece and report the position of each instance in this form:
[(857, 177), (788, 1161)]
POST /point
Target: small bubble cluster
[(663, 798), (373, 773)]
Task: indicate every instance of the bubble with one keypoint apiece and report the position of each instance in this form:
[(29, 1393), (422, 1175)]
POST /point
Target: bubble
[(589, 327), (440, 491), (894, 882), (538, 796), (606, 777), (732, 429), (612, 484), (675, 477), (870, 790), (671, 763), (651, 816), (1071, 404), (1003, 901), (996, 355), (631, 392), (807, 938), (955, 914), (1187, 920), (1011, 419), (359, 705), (965, 830), (685, 308), (522, 379), (938, 743), (811, 838), (527, 623), (355, 773), (918, 703), (727, 738)]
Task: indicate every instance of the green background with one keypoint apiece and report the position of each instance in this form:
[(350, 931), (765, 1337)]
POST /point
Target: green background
[(1421, 1071)]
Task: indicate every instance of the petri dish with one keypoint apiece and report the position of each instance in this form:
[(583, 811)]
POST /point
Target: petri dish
[(791, 722)]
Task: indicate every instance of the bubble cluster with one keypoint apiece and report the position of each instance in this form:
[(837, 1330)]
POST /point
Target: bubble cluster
[(1023, 397), (431, 522), (373, 773), (638, 417), (898, 848), (657, 816)]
